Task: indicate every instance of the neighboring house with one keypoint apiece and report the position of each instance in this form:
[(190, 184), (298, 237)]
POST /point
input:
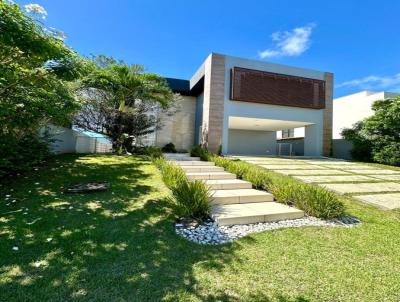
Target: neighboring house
[(350, 109), (68, 140), (347, 111), (237, 106)]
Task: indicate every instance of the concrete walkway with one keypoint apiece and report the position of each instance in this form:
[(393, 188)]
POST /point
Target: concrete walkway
[(234, 201), (366, 183)]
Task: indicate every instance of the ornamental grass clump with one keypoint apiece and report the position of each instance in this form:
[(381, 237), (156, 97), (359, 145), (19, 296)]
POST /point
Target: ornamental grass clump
[(313, 200), (190, 198), (199, 151)]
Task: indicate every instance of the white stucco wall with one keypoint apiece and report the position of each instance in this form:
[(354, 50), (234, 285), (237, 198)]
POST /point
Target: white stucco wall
[(352, 108), (63, 139), (252, 142), (178, 128), (254, 110)]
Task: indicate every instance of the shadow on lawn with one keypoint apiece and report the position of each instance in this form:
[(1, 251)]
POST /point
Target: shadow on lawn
[(118, 245)]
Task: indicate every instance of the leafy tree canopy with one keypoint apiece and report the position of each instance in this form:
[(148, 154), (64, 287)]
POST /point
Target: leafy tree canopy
[(35, 69), (377, 137), (121, 101)]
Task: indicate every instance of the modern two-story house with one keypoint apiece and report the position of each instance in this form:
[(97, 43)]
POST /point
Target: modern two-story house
[(236, 106)]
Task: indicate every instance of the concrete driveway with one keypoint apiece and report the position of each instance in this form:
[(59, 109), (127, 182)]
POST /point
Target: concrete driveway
[(363, 182)]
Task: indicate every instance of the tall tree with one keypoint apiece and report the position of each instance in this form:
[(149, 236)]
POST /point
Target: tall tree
[(122, 101), (36, 68)]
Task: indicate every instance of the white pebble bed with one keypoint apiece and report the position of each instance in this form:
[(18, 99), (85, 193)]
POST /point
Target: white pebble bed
[(209, 233)]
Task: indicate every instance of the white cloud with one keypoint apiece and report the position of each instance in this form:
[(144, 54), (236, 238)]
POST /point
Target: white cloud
[(289, 43), (36, 9), (373, 82)]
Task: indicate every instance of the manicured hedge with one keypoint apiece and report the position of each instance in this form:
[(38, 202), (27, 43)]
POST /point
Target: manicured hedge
[(190, 198), (312, 199)]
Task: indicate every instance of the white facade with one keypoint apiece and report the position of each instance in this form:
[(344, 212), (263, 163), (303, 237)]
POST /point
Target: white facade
[(270, 118), (349, 109)]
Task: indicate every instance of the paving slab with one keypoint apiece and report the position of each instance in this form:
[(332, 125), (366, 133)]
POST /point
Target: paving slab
[(274, 162), (387, 177), (312, 172), (363, 187), (239, 196), (334, 178), (291, 167), (253, 213), (346, 167), (373, 171), (192, 168), (210, 175), (228, 184), (387, 201), (329, 162), (193, 163)]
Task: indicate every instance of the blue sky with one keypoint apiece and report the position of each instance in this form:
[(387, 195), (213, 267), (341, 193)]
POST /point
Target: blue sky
[(359, 41)]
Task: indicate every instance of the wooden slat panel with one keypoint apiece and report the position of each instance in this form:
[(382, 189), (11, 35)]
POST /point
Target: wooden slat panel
[(256, 86)]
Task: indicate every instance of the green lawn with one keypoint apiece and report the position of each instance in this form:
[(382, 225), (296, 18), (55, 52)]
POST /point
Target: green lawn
[(121, 246)]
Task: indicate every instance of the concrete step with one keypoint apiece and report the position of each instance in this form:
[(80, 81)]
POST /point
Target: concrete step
[(239, 196), (228, 184), (202, 168), (189, 158), (253, 213), (193, 163), (210, 175)]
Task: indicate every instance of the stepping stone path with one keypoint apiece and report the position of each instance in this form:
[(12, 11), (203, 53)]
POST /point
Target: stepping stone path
[(364, 187), (375, 171), (334, 173), (386, 201), (334, 178), (233, 200), (312, 172)]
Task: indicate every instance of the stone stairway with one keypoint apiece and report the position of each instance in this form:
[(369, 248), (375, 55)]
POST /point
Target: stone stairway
[(233, 201)]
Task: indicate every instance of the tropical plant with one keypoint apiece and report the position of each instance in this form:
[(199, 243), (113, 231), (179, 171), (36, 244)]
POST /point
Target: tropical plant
[(121, 101), (377, 137)]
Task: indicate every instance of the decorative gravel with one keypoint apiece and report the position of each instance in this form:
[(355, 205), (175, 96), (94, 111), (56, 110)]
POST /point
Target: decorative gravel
[(209, 233)]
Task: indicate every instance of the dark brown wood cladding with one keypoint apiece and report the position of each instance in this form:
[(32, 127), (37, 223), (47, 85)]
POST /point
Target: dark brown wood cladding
[(256, 86)]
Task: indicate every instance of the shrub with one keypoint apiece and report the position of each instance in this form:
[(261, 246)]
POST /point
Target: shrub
[(152, 151), (389, 154), (169, 148), (190, 198), (21, 154), (199, 151), (313, 200), (362, 147), (260, 179), (319, 202), (377, 137)]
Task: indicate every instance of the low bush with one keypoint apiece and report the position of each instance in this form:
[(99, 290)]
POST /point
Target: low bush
[(21, 154), (313, 200), (199, 151), (190, 198), (152, 151), (169, 148)]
